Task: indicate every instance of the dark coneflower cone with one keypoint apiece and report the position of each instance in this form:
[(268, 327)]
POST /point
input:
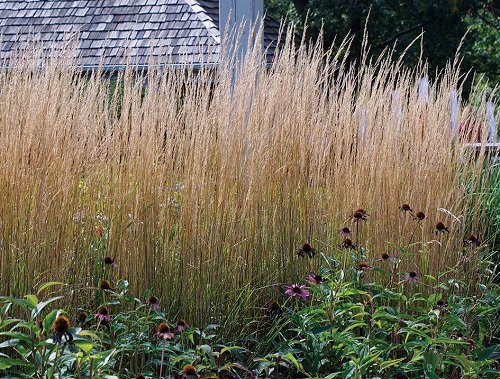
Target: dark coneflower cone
[(105, 285), (306, 250), (61, 324), (360, 214), (181, 325), (406, 208), (109, 260), (364, 266), (163, 328), (419, 216), (81, 318), (347, 244), (385, 256), (472, 240), (140, 376), (441, 228), (153, 300), (441, 304), (189, 370)]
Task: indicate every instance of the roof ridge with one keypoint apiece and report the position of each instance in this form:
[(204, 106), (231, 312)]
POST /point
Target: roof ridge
[(213, 30)]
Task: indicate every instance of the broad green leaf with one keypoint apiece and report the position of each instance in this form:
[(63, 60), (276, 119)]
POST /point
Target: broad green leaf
[(393, 362), (48, 321), (353, 326), (21, 302), (32, 299), (47, 285), (40, 306), (6, 363), (9, 343), (289, 357), (87, 333), (85, 346)]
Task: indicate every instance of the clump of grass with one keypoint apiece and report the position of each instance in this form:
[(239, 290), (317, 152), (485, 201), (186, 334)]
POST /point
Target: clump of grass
[(199, 184)]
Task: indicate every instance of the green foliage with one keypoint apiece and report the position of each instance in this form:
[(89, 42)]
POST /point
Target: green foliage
[(351, 330), (350, 326), (444, 24)]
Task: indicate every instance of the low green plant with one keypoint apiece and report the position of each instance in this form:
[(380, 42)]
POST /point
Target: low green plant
[(352, 320)]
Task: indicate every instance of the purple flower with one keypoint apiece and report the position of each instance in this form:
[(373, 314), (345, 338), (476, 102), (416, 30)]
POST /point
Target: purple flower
[(441, 228), (306, 250), (347, 244), (472, 240), (154, 303), (181, 325), (388, 257), (295, 290), (363, 266), (163, 332), (103, 316), (110, 262), (315, 278), (406, 208), (411, 277), (419, 216), (360, 215), (441, 304), (345, 232)]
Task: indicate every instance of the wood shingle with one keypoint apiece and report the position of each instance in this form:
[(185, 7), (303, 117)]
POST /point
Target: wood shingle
[(173, 31)]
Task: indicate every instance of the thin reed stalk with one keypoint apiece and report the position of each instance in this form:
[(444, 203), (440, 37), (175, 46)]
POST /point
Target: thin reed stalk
[(205, 183)]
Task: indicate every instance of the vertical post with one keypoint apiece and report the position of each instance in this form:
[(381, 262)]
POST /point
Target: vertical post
[(423, 89), (236, 19), (492, 125), (454, 112)]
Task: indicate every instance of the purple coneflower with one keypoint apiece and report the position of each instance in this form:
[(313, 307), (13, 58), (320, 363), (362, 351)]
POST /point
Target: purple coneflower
[(441, 304), (411, 277), (384, 257), (81, 318), (441, 228), (188, 371), (315, 278), (103, 316), (61, 327), (105, 285), (419, 216), (306, 249), (347, 244), (110, 262), (181, 325), (154, 303), (406, 208), (388, 257), (472, 240), (345, 232), (295, 290), (363, 266), (163, 332), (360, 215)]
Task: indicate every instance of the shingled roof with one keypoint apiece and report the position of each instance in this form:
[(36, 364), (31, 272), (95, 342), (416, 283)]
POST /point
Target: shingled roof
[(106, 31)]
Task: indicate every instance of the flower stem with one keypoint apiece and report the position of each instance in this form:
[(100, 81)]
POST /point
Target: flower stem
[(161, 362)]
